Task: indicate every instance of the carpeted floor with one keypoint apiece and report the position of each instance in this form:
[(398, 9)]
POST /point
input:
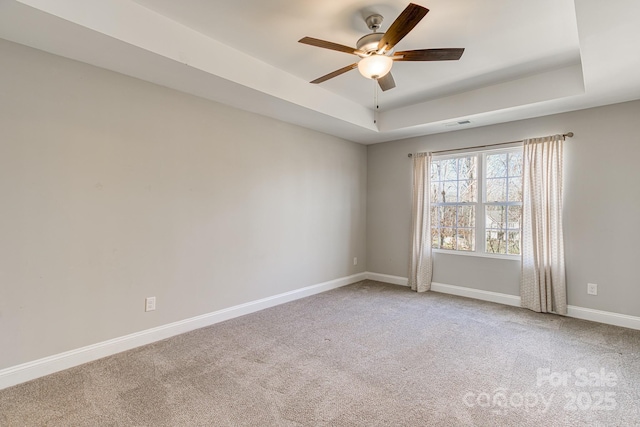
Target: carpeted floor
[(368, 354)]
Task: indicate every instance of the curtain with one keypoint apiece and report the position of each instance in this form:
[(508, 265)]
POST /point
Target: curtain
[(420, 263), (543, 282)]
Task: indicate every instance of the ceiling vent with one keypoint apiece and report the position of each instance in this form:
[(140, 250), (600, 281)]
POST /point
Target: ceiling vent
[(460, 123)]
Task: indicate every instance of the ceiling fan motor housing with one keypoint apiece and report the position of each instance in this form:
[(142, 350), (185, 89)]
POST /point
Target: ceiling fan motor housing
[(369, 43)]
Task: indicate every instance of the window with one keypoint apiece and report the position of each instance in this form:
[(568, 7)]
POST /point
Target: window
[(476, 202), (503, 202), (454, 196)]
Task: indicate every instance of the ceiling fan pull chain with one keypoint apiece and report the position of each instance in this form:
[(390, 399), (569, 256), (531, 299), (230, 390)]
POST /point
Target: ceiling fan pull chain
[(375, 101)]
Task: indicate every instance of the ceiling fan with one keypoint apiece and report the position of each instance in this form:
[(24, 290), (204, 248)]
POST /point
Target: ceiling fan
[(376, 50)]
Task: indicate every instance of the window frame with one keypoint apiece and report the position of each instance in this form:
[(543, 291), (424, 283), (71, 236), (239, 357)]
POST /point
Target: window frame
[(480, 203), (457, 203)]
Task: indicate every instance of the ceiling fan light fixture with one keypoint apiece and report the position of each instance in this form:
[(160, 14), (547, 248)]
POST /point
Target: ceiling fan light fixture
[(377, 50), (375, 66)]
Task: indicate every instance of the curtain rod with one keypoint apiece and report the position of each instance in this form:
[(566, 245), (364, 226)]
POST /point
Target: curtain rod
[(564, 135)]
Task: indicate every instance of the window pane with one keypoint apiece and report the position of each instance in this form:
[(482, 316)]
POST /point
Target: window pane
[(448, 216), (466, 239), (435, 170), (449, 171), (466, 216), (447, 238), (496, 243), (495, 217), (515, 189), (496, 165), (514, 242), (436, 191), (468, 191), (435, 238), (450, 192), (467, 168), (496, 190), (440, 210), (515, 217), (515, 164), (434, 216)]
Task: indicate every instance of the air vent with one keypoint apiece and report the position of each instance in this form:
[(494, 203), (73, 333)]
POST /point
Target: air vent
[(462, 122)]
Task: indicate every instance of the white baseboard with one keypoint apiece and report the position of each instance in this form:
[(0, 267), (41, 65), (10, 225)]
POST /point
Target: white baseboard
[(48, 365), (599, 316), (58, 362), (451, 289), (624, 320), (480, 294), (386, 278)]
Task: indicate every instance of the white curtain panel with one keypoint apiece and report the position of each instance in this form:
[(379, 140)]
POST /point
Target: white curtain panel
[(420, 263), (543, 281)]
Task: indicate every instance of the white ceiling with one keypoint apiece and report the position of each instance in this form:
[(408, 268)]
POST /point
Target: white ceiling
[(523, 58)]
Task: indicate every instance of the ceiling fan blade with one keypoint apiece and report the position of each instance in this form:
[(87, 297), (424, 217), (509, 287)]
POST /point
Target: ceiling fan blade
[(429, 55), (327, 45), (335, 73), (386, 82), (403, 24)]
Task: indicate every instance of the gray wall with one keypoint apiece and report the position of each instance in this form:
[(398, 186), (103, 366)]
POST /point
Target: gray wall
[(114, 189), (602, 204)]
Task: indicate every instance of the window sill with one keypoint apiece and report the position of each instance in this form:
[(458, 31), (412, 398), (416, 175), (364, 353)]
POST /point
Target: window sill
[(477, 254)]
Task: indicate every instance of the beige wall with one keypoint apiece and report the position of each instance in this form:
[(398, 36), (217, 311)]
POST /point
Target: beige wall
[(602, 204), (114, 189)]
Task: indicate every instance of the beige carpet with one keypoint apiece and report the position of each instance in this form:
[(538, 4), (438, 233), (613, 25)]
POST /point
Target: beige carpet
[(368, 354)]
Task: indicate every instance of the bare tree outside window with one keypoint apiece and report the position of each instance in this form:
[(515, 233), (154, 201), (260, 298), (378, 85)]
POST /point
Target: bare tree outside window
[(460, 218), (503, 202), (454, 189)]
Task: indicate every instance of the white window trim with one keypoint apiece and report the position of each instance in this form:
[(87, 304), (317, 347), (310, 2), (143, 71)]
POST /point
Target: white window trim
[(477, 254), (480, 205)]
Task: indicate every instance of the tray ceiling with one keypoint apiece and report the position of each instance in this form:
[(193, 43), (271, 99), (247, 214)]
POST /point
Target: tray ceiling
[(522, 59)]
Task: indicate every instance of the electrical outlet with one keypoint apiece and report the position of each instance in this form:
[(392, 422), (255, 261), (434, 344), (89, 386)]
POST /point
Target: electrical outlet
[(355, 260), (592, 288), (150, 304)]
